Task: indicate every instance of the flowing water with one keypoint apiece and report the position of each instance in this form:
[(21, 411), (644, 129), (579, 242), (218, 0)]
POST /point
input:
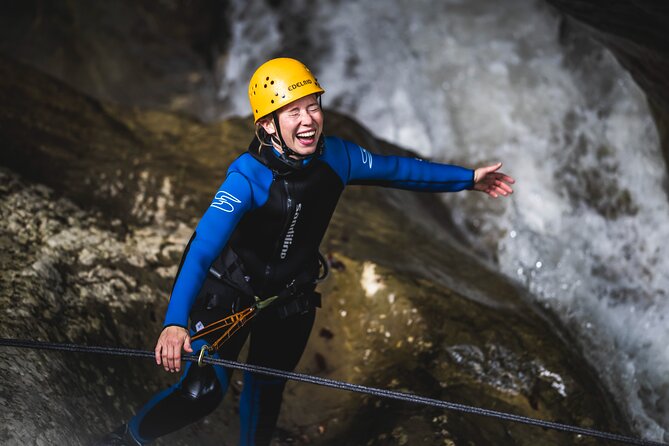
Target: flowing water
[(472, 82)]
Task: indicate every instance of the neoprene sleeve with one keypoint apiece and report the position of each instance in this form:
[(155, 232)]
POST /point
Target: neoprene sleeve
[(232, 200)]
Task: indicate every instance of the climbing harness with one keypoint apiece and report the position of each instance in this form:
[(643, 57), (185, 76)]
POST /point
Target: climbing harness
[(384, 393), (232, 323)]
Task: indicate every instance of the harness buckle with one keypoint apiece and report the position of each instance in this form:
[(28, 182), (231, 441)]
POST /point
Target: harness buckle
[(262, 303)]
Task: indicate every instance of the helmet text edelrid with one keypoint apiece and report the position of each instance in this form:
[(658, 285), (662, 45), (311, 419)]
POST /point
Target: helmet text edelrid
[(299, 84)]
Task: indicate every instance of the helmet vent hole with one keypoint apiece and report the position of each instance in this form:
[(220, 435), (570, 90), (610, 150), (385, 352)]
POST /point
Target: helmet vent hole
[(272, 101), (272, 83), (267, 78), (265, 85)]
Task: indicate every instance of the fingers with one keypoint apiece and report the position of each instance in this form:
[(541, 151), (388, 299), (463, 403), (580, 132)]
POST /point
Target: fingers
[(168, 348), (503, 187), (171, 356), (495, 188), (508, 179), (500, 184), (506, 188), (499, 176), (166, 357), (158, 353), (175, 357)]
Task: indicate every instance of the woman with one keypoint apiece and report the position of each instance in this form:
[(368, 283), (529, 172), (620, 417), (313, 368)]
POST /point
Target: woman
[(258, 240)]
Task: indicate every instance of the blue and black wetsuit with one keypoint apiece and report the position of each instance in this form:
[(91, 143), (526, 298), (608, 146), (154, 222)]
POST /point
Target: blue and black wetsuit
[(266, 222)]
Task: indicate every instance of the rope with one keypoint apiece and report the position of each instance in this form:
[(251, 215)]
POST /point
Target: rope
[(402, 396)]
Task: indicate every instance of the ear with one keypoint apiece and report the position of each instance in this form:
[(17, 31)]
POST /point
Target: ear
[(268, 126)]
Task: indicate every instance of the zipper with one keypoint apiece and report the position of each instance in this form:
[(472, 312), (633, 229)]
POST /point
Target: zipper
[(288, 218)]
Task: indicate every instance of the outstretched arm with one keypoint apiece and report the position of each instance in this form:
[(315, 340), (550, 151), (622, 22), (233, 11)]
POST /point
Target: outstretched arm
[(362, 167), (356, 165), (491, 182)]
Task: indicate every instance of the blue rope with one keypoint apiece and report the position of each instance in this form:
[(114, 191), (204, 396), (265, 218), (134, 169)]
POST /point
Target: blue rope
[(402, 396)]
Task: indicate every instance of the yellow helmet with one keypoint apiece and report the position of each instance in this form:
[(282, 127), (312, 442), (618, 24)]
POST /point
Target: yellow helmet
[(278, 82)]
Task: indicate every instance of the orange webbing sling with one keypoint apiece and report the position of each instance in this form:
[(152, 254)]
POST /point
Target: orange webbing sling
[(230, 325)]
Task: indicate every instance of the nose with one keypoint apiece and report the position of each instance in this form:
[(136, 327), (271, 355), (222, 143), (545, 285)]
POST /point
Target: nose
[(306, 117)]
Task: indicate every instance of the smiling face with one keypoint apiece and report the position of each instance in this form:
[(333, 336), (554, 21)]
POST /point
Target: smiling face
[(301, 124)]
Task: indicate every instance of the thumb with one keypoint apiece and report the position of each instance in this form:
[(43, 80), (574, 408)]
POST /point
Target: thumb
[(488, 169), (187, 346)]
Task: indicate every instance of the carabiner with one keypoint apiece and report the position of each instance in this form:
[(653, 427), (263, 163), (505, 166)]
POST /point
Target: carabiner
[(205, 348)]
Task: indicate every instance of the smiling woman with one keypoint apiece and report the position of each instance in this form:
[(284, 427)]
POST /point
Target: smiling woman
[(257, 246)]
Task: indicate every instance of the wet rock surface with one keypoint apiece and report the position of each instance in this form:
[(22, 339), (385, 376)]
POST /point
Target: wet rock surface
[(96, 210), (155, 54)]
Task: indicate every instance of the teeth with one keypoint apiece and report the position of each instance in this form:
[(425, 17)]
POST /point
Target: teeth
[(306, 134)]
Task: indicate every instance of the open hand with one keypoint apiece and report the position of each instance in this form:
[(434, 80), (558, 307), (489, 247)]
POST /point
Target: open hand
[(491, 182)]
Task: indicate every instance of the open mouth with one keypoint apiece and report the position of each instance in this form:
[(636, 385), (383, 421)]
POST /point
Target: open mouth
[(306, 138)]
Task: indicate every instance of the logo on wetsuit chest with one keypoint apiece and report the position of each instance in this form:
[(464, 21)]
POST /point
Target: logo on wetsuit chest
[(223, 201), (291, 231)]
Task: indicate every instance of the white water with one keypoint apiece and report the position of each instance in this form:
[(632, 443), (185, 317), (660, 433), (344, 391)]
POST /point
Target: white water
[(469, 82)]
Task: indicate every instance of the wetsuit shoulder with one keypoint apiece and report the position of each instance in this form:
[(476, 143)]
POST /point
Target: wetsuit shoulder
[(257, 174), (336, 155)]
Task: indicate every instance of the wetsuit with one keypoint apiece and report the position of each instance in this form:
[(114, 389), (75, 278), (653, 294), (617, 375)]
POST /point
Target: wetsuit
[(265, 224)]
